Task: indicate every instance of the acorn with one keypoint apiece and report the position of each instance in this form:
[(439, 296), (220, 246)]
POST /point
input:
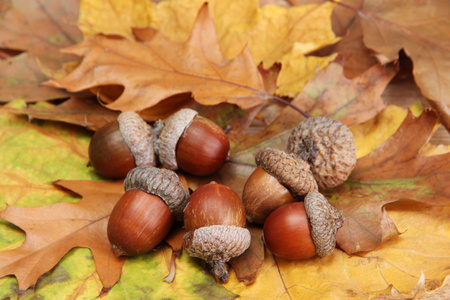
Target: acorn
[(121, 145), (193, 144), (329, 148), (214, 219), (154, 199), (301, 230), (280, 178)]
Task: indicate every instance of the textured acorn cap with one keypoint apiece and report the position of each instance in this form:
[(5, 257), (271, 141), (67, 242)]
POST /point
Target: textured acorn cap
[(290, 171), (217, 244), (138, 136), (160, 182), (324, 220), (171, 133), (328, 146)]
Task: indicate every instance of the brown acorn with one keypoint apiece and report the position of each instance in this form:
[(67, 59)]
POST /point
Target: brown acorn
[(214, 219), (300, 230), (154, 199), (280, 178), (193, 144), (121, 145)]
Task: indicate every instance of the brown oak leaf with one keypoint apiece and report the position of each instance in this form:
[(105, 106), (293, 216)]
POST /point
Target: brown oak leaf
[(329, 94), (83, 111), (53, 230), (156, 69), (392, 172), (39, 28), (422, 30)]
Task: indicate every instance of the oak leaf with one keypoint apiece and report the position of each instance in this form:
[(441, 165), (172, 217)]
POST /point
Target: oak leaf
[(329, 94), (159, 68), (40, 29), (114, 17), (55, 229), (422, 30), (83, 111), (394, 267), (393, 171)]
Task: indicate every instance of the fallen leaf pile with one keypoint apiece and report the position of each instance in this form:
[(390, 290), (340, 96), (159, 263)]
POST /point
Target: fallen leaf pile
[(256, 68)]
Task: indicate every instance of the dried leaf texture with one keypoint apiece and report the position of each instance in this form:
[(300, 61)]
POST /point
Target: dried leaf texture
[(422, 29), (392, 172), (39, 28), (330, 94), (394, 268), (83, 111), (159, 68), (55, 229)]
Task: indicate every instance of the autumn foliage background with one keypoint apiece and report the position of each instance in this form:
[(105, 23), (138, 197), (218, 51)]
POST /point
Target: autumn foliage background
[(381, 67)]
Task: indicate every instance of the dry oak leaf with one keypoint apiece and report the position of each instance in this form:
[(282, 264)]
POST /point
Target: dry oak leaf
[(330, 94), (159, 68), (39, 28), (422, 30), (53, 230), (395, 170), (20, 77), (395, 265), (114, 17), (83, 111)]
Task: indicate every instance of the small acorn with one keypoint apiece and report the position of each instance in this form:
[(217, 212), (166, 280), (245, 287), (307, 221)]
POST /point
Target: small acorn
[(214, 219), (280, 178), (154, 199), (298, 230), (193, 144), (121, 145), (329, 148)]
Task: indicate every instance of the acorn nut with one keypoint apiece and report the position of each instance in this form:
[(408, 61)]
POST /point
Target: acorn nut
[(193, 144), (328, 146), (300, 230), (280, 178), (121, 145), (154, 199), (214, 219)]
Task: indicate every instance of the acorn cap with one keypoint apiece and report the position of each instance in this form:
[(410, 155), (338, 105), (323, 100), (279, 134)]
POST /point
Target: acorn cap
[(291, 171), (162, 183), (171, 133), (138, 136), (324, 220), (217, 244), (328, 146)]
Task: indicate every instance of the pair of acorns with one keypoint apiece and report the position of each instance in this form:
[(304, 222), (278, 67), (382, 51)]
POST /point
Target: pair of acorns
[(283, 192), (184, 141), (322, 154)]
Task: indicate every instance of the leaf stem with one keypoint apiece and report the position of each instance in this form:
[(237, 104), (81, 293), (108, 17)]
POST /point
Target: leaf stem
[(287, 103)]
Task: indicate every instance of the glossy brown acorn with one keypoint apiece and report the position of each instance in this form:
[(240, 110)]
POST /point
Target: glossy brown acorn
[(214, 219), (138, 223), (213, 204), (193, 144), (121, 145), (108, 153), (301, 230), (154, 199), (287, 233), (280, 178)]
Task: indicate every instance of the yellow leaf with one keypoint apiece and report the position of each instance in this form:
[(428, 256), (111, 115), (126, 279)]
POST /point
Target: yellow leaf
[(423, 246), (369, 135), (175, 19), (308, 27), (298, 69), (114, 17)]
